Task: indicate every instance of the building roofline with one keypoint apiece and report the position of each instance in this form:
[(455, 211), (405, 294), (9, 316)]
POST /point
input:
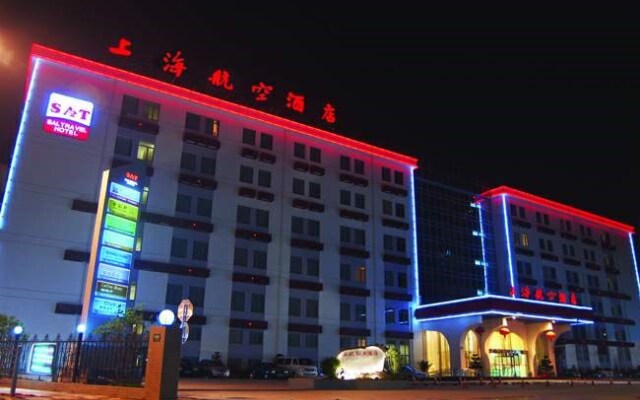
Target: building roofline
[(563, 208), (74, 61)]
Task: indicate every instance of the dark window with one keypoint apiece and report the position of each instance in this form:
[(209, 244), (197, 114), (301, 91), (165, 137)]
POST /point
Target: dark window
[(123, 146), (345, 197), (387, 207), (208, 165), (398, 177), (246, 174), (314, 190), (298, 186), (266, 141), (129, 105), (295, 307), (259, 259), (345, 272), (345, 163), (386, 174), (315, 155), (237, 301), (262, 218), (249, 136), (358, 167), (257, 303), (178, 247), (183, 203), (174, 294), (241, 257), (359, 200), (200, 250), (196, 295), (243, 215), (400, 210), (296, 265), (298, 150), (264, 178), (204, 207), (188, 161), (192, 122)]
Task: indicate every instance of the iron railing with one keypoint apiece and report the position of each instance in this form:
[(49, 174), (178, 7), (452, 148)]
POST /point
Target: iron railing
[(107, 362)]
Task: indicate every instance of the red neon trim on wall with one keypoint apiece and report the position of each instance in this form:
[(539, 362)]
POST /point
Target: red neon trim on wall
[(192, 96), (558, 207)]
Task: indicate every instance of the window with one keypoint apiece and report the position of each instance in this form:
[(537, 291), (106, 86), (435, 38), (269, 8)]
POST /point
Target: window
[(398, 177), (256, 337), (146, 151), (359, 200), (400, 210), (264, 178), (313, 267), (208, 165), (249, 136), (259, 259), (235, 336), (394, 244), (572, 278), (389, 278), (298, 186), (345, 312), (123, 146), (361, 274), (352, 235), (266, 141), (132, 106), (192, 122), (174, 294), (311, 341), (203, 208), (196, 295), (241, 257), (295, 307), (390, 316), (345, 197), (129, 105), (345, 272), (524, 268), (293, 340), (593, 281), (295, 265), (246, 174), (183, 203), (178, 247), (358, 166), (386, 174), (299, 150), (188, 161), (312, 308), (200, 250), (314, 190), (243, 215), (262, 218), (345, 163), (549, 273), (522, 239), (298, 225), (387, 207), (315, 154), (402, 280), (257, 303), (237, 301), (360, 313), (403, 316), (145, 195)]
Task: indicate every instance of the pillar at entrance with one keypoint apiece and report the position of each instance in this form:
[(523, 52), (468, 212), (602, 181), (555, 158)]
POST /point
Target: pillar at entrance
[(163, 363)]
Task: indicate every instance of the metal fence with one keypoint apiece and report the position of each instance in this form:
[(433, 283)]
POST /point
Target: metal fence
[(106, 362)]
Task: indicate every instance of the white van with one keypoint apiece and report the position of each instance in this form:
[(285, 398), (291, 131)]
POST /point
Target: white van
[(300, 367)]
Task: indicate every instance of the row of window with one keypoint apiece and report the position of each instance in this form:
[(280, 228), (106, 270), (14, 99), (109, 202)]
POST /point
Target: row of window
[(522, 239), (549, 273), (565, 225)]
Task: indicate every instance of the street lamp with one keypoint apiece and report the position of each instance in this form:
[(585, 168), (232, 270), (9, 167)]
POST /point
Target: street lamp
[(166, 317), (17, 331)]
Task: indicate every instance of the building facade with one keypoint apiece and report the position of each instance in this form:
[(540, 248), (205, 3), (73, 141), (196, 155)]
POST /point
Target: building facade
[(286, 238), (559, 283)]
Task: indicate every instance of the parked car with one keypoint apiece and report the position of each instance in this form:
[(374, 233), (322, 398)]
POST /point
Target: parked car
[(268, 370), (301, 367), (213, 369), (188, 368), (410, 373)]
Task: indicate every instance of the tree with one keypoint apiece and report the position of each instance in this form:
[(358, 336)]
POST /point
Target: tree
[(7, 323), (330, 366), (129, 323), (424, 365), (476, 364), (545, 367), (393, 359)]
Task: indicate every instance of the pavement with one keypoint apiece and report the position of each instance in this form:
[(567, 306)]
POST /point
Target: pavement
[(252, 390)]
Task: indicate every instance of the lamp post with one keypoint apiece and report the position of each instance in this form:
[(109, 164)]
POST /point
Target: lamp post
[(17, 331), (76, 363)]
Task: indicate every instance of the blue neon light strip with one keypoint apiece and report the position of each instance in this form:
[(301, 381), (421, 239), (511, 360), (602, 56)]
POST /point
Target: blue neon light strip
[(508, 237), (484, 256), (507, 314), (17, 149), (416, 282), (517, 300), (635, 262)]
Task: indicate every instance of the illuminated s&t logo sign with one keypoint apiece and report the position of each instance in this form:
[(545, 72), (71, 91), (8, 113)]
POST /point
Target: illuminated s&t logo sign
[(68, 116)]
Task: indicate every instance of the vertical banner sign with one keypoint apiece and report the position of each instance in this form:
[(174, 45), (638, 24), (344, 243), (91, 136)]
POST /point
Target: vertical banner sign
[(111, 281)]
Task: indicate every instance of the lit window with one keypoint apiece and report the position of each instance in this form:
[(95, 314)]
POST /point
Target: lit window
[(151, 111), (362, 342), (361, 274), (145, 195), (146, 151)]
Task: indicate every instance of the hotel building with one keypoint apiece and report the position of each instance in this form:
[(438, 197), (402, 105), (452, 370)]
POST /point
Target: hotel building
[(287, 239), (512, 277)]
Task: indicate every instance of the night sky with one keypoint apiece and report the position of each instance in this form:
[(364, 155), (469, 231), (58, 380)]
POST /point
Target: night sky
[(543, 96)]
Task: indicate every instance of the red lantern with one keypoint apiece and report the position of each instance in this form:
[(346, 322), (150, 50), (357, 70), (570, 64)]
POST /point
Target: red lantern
[(550, 335), (480, 330), (504, 330)]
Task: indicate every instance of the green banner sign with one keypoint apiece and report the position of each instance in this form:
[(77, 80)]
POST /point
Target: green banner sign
[(122, 209), (119, 224)]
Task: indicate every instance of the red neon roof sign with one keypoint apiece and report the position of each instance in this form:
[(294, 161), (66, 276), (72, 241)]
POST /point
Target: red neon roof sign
[(558, 207), (73, 61)]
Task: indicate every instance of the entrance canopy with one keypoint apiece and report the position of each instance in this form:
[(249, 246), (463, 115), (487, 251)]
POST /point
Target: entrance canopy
[(492, 305)]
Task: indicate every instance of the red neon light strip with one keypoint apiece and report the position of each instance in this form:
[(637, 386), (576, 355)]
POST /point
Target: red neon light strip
[(558, 207), (192, 96)]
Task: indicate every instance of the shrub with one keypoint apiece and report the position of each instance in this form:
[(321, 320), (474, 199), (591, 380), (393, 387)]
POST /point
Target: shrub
[(330, 366)]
